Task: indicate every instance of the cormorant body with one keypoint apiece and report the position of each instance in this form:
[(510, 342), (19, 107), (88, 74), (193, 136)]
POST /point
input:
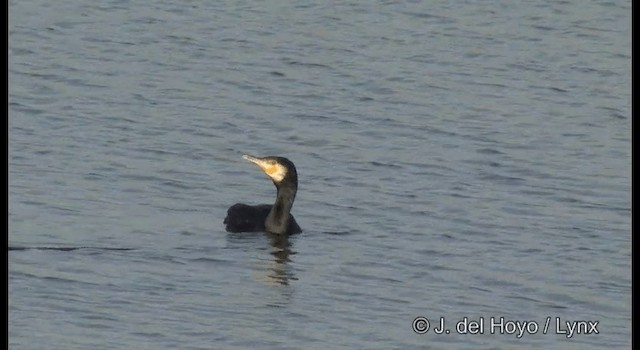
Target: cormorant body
[(274, 218)]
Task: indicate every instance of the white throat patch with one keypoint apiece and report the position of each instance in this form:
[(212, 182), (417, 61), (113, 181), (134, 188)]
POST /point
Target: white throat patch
[(276, 172)]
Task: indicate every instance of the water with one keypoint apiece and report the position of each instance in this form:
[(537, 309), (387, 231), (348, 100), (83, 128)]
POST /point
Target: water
[(455, 160)]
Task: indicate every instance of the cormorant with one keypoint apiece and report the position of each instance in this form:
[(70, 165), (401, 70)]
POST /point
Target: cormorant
[(274, 218)]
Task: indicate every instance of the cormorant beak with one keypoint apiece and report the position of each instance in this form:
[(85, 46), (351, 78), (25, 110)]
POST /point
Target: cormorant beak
[(255, 160)]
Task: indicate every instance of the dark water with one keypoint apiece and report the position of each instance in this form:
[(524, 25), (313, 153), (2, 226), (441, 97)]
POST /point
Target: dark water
[(456, 159)]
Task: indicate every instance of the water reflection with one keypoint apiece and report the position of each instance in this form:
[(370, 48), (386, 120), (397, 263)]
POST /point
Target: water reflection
[(279, 272), (274, 269)]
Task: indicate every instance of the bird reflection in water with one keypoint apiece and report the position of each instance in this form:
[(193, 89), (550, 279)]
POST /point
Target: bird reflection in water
[(273, 268), (278, 271)]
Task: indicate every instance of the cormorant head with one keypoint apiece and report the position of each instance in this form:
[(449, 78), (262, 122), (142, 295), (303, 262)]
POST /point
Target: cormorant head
[(278, 169)]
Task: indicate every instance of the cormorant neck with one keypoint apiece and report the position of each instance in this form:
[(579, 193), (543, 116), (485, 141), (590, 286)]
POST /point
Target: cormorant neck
[(278, 218)]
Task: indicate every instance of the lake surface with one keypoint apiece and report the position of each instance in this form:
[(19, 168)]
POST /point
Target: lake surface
[(456, 159)]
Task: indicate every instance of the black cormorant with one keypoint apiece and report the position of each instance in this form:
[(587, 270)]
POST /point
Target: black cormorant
[(274, 218)]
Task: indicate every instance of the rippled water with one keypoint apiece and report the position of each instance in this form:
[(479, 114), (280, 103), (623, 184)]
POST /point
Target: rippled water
[(456, 159)]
